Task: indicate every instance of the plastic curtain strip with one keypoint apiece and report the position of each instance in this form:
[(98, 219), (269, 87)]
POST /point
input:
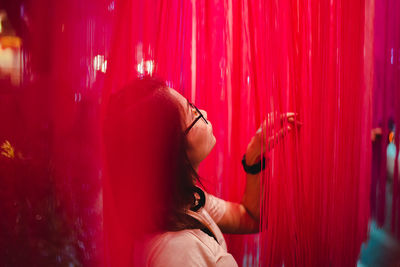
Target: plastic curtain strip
[(241, 61), (316, 193)]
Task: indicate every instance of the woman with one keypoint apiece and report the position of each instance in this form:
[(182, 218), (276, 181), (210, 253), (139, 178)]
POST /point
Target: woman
[(154, 142)]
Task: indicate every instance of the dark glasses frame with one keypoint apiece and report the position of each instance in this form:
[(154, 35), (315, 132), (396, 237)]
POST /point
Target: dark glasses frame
[(198, 118)]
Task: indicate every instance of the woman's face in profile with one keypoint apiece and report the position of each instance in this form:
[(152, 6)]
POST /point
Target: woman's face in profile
[(200, 137)]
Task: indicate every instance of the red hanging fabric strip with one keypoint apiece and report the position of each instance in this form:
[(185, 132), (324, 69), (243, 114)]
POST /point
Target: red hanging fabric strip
[(318, 186), (242, 61), (254, 60)]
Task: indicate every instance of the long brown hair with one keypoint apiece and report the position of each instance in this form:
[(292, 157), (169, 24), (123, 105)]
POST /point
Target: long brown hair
[(148, 171)]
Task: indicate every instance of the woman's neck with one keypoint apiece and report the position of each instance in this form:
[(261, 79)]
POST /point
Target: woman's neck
[(196, 167)]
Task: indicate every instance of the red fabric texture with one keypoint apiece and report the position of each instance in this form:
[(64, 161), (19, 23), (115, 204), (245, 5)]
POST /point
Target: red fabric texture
[(317, 190), (241, 61)]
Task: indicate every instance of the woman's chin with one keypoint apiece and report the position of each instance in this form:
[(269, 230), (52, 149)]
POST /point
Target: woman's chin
[(213, 141), (211, 146)]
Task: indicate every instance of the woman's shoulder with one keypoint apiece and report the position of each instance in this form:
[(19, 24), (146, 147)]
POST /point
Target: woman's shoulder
[(215, 207)]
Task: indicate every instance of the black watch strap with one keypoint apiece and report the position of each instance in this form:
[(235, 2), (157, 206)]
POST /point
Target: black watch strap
[(253, 169)]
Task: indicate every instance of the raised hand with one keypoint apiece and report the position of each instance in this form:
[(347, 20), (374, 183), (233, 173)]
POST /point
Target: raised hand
[(287, 122)]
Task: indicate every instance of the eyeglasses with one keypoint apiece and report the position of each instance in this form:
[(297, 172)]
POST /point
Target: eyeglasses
[(200, 116)]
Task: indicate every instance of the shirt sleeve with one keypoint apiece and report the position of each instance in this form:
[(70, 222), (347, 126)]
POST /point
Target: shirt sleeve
[(215, 206)]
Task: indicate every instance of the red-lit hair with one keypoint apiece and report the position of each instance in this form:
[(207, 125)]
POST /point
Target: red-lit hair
[(147, 167)]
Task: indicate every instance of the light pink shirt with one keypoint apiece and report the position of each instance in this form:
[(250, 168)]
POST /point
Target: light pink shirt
[(193, 247)]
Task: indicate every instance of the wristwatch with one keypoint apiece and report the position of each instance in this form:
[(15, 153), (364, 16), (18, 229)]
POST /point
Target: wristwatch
[(253, 169)]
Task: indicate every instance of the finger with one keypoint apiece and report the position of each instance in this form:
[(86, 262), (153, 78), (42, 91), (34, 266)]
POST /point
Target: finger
[(275, 138), (270, 118), (289, 115), (295, 123), (282, 132), (262, 127)]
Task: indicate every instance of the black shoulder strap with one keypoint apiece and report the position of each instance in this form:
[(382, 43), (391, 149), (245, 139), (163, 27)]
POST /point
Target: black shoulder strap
[(208, 232)]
